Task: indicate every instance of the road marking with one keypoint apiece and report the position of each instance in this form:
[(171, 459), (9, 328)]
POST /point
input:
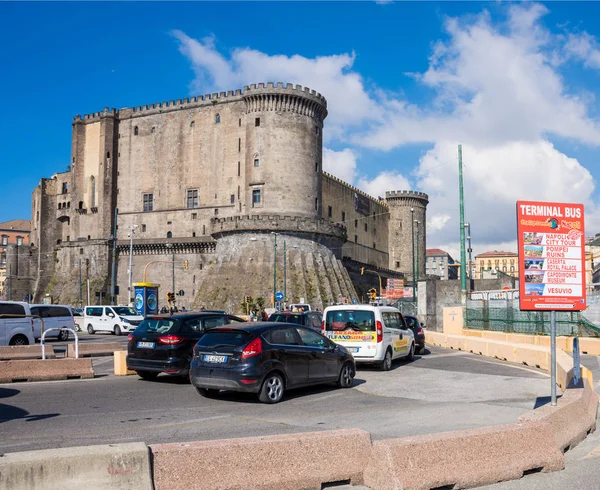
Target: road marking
[(593, 453), (310, 400), (437, 356), (505, 363)]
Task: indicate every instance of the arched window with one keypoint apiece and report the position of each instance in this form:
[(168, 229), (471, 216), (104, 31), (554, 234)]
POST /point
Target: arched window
[(217, 118), (169, 234), (135, 131), (93, 191), (80, 204)]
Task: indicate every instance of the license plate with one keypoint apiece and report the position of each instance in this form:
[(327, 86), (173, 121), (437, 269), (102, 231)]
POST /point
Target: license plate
[(211, 358), (145, 345), (352, 349)]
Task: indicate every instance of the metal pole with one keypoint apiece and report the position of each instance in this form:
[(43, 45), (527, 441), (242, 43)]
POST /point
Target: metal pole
[(470, 265), (10, 282), (553, 358), (80, 286), (417, 249), (173, 275), (412, 234), (463, 258), (88, 291), (130, 266), (274, 269), (113, 276), (284, 272)]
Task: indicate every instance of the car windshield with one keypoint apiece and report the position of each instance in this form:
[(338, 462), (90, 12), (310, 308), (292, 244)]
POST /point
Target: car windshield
[(157, 325), (277, 317), (124, 310), (299, 307), (213, 339), (359, 320)]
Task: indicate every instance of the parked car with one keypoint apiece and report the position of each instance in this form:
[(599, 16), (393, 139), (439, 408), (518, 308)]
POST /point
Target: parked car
[(311, 319), (54, 316), (267, 358), (78, 318), (114, 319), (417, 329), (15, 330), (299, 307), (373, 334), (164, 343)]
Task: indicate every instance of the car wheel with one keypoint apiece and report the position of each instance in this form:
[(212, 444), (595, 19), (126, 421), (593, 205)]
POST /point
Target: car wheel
[(19, 340), (117, 330), (147, 375), (77, 328), (90, 329), (206, 392), (411, 353), (386, 364), (63, 335), (272, 389), (346, 376)]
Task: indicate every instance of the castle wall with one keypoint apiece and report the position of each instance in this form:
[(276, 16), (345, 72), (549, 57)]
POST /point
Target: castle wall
[(367, 231)]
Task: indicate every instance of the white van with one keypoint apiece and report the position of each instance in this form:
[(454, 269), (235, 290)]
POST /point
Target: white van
[(115, 319), (14, 330), (54, 316), (373, 334)]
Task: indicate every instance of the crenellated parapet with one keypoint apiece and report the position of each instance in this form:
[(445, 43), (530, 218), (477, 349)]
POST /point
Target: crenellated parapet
[(407, 197), (266, 96), (279, 223), (379, 202)]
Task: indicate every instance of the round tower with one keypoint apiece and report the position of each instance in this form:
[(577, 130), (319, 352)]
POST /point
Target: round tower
[(284, 128), (408, 222)]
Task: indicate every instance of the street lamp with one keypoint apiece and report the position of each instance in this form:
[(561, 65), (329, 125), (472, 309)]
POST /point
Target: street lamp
[(417, 247), (131, 232), (170, 246), (274, 267), (470, 250), (412, 234)]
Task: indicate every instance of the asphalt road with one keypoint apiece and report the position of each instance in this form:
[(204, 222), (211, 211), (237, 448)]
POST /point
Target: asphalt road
[(442, 390)]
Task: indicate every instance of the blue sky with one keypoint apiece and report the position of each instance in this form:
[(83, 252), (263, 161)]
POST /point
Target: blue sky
[(516, 84)]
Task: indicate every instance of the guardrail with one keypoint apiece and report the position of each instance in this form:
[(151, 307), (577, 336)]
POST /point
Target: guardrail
[(62, 328)]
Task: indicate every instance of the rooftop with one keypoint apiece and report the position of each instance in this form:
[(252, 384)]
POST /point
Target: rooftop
[(16, 224), (496, 253), (436, 251)]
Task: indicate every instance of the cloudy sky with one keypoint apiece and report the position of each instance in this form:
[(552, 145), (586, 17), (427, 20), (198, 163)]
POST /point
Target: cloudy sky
[(515, 83)]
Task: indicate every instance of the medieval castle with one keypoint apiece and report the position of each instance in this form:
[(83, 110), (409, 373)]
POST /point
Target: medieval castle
[(198, 191)]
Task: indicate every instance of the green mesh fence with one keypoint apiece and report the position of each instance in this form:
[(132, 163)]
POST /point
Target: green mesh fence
[(505, 316)]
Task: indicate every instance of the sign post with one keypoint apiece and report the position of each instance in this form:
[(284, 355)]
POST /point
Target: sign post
[(551, 263)]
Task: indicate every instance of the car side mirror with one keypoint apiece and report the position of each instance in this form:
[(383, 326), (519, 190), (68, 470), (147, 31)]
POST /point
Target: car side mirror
[(111, 314)]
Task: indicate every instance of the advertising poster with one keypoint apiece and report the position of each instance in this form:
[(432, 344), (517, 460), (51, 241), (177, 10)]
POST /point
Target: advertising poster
[(551, 256)]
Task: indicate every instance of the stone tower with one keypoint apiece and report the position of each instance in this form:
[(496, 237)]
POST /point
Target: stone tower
[(407, 219)]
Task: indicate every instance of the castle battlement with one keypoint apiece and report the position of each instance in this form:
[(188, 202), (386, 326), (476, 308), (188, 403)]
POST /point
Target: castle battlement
[(380, 202), (209, 99), (407, 194)]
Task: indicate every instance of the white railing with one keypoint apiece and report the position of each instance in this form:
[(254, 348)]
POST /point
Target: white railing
[(70, 330)]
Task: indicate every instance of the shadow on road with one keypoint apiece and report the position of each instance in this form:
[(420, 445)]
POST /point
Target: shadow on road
[(540, 401), (9, 412)]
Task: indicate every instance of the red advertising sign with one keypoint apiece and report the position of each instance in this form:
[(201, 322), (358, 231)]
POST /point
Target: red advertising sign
[(551, 256)]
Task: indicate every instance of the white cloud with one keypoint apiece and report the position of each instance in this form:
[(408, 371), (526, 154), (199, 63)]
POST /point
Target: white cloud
[(497, 90)]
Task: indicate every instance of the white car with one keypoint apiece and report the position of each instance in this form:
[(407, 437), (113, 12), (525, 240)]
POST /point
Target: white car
[(15, 330), (373, 334), (114, 319), (54, 316)]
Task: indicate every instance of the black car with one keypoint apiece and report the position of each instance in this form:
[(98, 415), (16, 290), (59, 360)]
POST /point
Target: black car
[(267, 358), (310, 319), (417, 328), (164, 343)]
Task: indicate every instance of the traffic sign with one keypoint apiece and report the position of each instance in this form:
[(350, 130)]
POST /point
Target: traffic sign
[(279, 296)]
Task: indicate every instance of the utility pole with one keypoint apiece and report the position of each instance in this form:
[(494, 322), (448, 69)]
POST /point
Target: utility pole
[(463, 255), (274, 269), (412, 235), (417, 248), (470, 250), (10, 282), (113, 276), (284, 273), (131, 232), (80, 285)]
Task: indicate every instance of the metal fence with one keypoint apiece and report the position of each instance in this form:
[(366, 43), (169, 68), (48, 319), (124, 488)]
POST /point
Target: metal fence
[(501, 313), (406, 307)]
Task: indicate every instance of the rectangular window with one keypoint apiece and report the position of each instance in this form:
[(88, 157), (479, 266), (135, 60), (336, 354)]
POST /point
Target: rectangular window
[(329, 211), (238, 192), (257, 121), (316, 203), (240, 123), (239, 144), (232, 198), (355, 223), (397, 264), (366, 227), (374, 245), (148, 202), (65, 187), (194, 215), (316, 166), (4, 239), (143, 228), (343, 217), (256, 162), (192, 198), (355, 238), (239, 169), (204, 229), (19, 240), (255, 197), (316, 129)]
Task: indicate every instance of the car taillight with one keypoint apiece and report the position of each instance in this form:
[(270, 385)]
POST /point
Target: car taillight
[(170, 339), (252, 349), (323, 326), (130, 338), (420, 331), (379, 331)]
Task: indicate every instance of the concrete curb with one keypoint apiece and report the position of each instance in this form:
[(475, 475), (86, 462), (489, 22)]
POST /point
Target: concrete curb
[(46, 370), (112, 466), (19, 352), (281, 462), (94, 349)]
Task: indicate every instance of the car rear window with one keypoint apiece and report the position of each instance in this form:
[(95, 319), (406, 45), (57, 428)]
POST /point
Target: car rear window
[(214, 339), (361, 320), (286, 318), (11, 309), (158, 325)]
